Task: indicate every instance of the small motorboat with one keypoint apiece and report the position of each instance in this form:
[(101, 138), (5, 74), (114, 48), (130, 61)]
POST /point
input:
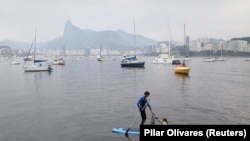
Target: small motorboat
[(182, 69)]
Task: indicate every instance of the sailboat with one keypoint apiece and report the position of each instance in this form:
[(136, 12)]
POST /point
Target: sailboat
[(14, 61), (247, 59), (60, 60), (210, 58), (182, 68), (221, 58), (165, 58), (38, 65), (132, 60), (99, 57)]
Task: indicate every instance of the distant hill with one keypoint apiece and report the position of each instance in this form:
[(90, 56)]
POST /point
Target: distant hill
[(75, 38), (1, 47), (13, 44), (243, 38)]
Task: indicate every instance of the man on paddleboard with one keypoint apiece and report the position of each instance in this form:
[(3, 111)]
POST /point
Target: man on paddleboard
[(142, 104)]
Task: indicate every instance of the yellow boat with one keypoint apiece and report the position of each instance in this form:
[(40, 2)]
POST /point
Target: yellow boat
[(182, 69)]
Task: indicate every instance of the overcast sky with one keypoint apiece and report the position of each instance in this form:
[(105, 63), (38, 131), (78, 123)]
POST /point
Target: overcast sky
[(223, 19)]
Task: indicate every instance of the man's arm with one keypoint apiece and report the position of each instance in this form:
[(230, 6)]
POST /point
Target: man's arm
[(139, 104), (149, 106)]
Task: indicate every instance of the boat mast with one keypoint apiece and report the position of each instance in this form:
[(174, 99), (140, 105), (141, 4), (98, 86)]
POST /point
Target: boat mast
[(169, 38), (28, 54), (62, 47), (221, 50), (184, 44), (100, 50), (186, 49), (134, 38), (184, 38), (35, 47)]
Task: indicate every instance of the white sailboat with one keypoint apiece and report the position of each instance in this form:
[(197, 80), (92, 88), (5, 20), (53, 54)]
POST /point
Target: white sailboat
[(38, 65), (59, 60), (166, 58), (99, 57), (210, 58), (162, 59), (221, 58), (247, 59), (14, 61), (187, 58)]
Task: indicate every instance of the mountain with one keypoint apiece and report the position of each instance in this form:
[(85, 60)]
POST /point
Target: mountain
[(13, 44), (75, 38), (140, 40)]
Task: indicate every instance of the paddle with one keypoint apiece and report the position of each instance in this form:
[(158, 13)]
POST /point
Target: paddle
[(126, 133)]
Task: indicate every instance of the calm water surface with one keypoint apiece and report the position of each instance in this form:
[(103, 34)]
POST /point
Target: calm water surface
[(85, 99)]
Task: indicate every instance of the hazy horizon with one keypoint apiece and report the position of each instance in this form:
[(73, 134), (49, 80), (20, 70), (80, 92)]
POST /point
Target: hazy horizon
[(223, 19)]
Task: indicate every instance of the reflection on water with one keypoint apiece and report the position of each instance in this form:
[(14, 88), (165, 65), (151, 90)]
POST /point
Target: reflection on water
[(179, 75), (82, 97), (182, 82)]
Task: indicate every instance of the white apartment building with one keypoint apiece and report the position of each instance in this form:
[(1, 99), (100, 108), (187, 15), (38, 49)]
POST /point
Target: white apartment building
[(232, 45), (164, 48), (195, 46), (237, 46)]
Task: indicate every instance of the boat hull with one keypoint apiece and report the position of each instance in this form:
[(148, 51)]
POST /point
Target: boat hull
[(58, 63), (14, 63), (37, 68), (131, 61), (133, 64), (162, 61), (61, 63), (209, 60), (220, 59), (182, 70), (247, 59), (101, 59), (166, 60)]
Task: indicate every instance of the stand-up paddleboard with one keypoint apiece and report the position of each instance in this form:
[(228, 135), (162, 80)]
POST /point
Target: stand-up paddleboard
[(123, 131)]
